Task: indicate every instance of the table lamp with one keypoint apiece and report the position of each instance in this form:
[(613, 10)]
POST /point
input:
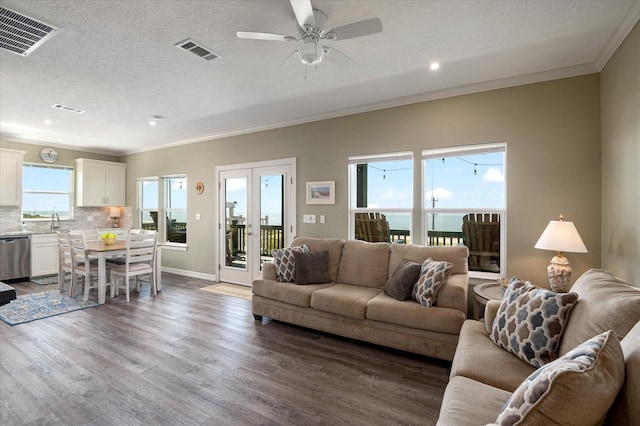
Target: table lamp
[(114, 214), (561, 236)]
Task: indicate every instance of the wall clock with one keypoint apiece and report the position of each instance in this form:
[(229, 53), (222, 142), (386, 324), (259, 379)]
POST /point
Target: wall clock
[(48, 155)]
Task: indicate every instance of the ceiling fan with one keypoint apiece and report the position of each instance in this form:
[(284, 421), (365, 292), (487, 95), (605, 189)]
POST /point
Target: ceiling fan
[(311, 32)]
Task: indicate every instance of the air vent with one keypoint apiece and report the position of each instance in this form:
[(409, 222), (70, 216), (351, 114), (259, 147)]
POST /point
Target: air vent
[(20, 34), (67, 108), (197, 49)]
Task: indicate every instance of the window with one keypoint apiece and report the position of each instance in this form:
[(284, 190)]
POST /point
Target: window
[(381, 197), (46, 190), (148, 202), (175, 208), (464, 202)]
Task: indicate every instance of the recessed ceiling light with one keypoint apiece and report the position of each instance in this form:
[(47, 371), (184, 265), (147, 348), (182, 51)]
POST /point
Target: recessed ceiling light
[(48, 122), (434, 66), (155, 119)]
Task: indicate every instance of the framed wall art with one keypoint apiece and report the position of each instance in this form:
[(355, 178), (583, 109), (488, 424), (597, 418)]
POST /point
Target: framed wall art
[(321, 192)]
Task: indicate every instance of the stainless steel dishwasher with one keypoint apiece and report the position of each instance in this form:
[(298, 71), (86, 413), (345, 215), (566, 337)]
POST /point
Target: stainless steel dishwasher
[(15, 256)]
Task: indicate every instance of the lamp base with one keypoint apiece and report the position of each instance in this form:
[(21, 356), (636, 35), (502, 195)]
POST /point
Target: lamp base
[(559, 274), (115, 222)]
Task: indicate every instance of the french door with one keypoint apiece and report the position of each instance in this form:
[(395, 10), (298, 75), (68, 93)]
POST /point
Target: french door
[(257, 214)]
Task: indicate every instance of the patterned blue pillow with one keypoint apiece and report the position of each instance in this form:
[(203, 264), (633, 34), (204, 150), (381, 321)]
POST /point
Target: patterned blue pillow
[(433, 275), (575, 389), (285, 262), (530, 321)]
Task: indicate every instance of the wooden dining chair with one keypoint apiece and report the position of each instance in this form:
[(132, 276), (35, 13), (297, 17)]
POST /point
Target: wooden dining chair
[(65, 262), (139, 260), (84, 269)]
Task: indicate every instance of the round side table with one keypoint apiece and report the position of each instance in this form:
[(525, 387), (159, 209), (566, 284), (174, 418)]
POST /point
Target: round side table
[(482, 293)]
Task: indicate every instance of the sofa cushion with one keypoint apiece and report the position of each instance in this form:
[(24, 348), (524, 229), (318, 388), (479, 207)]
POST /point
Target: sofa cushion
[(343, 299), (298, 295), (332, 245), (364, 264), (285, 262), (312, 267), (576, 389), (478, 358), (407, 313), (626, 410), (457, 255), (403, 279), (433, 275), (605, 302), (530, 321), (466, 402)]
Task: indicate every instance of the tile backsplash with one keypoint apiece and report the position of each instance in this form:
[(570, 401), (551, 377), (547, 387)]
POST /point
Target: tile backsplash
[(11, 219)]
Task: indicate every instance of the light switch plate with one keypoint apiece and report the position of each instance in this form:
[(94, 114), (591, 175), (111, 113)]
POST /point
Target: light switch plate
[(309, 218)]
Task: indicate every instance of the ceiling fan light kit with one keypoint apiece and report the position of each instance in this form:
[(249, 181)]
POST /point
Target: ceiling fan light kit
[(311, 24)]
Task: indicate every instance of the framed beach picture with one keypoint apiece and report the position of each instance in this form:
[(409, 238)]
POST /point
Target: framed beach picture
[(321, 192)]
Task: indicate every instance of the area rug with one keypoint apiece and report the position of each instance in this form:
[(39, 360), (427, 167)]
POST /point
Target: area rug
[(46, 280), (35, 306), (234, 290)]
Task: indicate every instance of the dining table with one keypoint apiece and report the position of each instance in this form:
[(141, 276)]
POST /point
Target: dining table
[(103, 251)]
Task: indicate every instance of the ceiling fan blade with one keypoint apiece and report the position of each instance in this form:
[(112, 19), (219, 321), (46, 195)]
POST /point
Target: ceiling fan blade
[(337, 57), (303, 12), (356, 29), (264, 36)]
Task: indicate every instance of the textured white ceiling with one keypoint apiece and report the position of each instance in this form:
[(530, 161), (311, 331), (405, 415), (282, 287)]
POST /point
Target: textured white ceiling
[(117, 61)]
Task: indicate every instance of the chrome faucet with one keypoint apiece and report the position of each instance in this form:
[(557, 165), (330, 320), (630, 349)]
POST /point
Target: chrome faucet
[(55, 217)]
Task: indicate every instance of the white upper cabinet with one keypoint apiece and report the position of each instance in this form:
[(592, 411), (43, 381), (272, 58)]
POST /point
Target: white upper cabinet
[(11, 177), (100, 183)]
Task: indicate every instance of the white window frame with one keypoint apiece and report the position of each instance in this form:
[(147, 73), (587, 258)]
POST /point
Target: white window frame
[(162, 213), (70, 193), (353, 209), (427, 208), (141, 209)]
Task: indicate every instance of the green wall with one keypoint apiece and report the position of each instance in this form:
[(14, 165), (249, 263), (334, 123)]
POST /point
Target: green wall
[(552, 130)]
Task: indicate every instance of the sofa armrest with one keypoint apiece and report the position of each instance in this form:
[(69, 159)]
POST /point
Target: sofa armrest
[(269, 271), (490, 312)]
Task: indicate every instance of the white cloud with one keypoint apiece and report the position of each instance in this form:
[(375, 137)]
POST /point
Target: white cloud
[(440, 193), (493, 176), (235, 184)]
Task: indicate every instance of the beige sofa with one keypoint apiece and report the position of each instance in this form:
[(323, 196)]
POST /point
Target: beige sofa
[(484, 376), (354, 304)]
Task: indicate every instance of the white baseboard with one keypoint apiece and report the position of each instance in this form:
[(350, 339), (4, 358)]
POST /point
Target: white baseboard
[(190, 274)]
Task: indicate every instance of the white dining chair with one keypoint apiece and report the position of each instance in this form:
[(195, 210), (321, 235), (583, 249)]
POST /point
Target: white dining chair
[(84, 269), (65, 262), (139, 260)]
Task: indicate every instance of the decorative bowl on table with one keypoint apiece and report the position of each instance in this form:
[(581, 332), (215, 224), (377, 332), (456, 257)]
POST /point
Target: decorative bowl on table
[(108, 239)]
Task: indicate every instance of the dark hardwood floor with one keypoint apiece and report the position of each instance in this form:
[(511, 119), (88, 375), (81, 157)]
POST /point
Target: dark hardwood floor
[(189, 357)]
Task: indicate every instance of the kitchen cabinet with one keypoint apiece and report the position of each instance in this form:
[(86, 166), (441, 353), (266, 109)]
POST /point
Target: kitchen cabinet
[(11, 177), (44, 254), (100, 183)]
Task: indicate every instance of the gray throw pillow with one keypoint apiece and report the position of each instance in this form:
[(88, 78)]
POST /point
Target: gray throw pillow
[(312, 267), (401, 283)]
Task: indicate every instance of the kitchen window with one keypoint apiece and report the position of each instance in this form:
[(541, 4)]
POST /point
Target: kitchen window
[(47, 190), (148, 203)]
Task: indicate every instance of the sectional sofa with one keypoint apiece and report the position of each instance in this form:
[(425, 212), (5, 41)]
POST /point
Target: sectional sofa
[(351, 300), (486, 380)]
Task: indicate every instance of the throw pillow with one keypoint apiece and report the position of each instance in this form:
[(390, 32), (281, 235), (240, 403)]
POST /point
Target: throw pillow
[(401, 283), (312, 267), (575, 389), (433, 275), (285, 262), (530, 321)]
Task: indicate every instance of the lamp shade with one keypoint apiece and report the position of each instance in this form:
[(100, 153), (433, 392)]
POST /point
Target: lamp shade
[(114, 212), (561, 236)]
